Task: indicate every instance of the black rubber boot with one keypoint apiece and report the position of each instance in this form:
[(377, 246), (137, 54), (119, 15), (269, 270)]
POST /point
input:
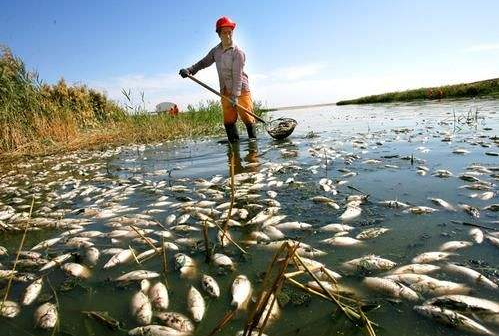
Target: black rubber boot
[(232, 134), (251, 128)]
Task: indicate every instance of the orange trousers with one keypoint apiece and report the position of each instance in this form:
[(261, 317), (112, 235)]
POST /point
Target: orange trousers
[(231, 112)]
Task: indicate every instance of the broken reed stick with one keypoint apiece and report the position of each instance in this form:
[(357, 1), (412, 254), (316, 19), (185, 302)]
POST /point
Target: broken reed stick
[(226, 319), (9, 284), (230, 239), (206, 243), (232, 194), (349, 312), (368, 323), (165, 263), (263, 300), (144, 237), (134, 256), (57, 306)]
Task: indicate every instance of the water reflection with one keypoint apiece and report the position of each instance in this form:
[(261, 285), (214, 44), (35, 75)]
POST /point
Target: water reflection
[(250, 163)]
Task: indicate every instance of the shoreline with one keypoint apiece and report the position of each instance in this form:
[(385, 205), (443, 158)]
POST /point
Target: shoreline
[(488, 88)]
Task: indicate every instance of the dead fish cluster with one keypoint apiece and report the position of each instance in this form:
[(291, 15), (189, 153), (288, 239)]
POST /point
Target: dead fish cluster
[(102, 232)]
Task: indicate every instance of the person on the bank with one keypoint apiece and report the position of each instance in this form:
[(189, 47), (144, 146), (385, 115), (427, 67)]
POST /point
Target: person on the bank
[(229, 60)]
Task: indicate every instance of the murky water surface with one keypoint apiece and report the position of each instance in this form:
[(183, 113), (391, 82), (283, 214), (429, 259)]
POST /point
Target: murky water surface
[(382, 144)]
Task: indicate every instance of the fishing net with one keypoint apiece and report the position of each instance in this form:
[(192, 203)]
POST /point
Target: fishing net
[(281, 128)]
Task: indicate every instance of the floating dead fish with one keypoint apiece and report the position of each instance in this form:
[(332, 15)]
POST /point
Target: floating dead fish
[(336, 227), (195, 304), (342, 241), (46, 243), (474, 276), (210, 285), (222, 260), (427, 285), (470, 210), (137, 275), (158, 295), (9, 309), (155, 330), (119, 258), (452, 318), (477, 235), (444, 204), (465, 303), (371, 233), (429, 257), (141, 308), (31, 292), (76, 270), (394, 204), (420, 210), (293, 226), (492, 207), (241, 292), (416, 268), (185, 264), (46, 316), (391, 287), (56, 261), (176, 321), (368, 263), (350, 213), (454, 245), (442, 173)]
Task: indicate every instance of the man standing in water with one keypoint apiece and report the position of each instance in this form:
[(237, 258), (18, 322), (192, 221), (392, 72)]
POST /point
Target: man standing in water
[(229, 60)]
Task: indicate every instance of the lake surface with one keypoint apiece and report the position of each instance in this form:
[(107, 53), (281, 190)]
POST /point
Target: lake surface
[(383, 145)]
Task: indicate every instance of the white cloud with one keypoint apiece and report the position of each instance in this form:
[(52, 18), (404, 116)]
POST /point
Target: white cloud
[(483, 47)]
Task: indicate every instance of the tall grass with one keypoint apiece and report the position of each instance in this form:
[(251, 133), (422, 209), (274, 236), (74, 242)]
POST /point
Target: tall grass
[(40, 118), (485, 88)]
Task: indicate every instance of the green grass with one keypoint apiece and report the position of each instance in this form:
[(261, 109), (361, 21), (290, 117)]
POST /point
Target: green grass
[(486, 88), (37, 118)]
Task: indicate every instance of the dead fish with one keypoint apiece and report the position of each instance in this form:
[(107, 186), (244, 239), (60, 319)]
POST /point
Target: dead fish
[(427, 285), (293, 226), (222, 260), (210, 285), (369, 263), (442, 173), (46, 316), (493, 240), (185, 264), (137, 275), (195, 304), (429, 257), (485, 196), (92, 255), (141, 307), (492, 207), (271, 312), (155, 330), (394, 204), (474, 276), (444, 204), (273, 233), (9, 309), (263, 215), (454, 245), (420, 210), (176, 321), (31, 292), (3, 251), (241, 291), (477, 235), (273, 220), (416, 268), (470, 210), (321, 199), (46, 243), (76, 270), (158, 295), (452, 318), (391, 287), (170, 219), (120, 258), (465, 303), (56, 261), (350, 213), (371, 233), (335, 227), (342, 241), (460, 151), (333, 288)]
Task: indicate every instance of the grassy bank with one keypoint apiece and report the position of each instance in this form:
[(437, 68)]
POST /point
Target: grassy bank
[(37, 118), (485, 88)]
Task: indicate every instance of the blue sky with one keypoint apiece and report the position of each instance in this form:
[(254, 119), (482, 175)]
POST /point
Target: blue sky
[(297, 52)]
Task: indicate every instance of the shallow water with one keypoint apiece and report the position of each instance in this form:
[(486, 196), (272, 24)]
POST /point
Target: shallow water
[(391, 133)]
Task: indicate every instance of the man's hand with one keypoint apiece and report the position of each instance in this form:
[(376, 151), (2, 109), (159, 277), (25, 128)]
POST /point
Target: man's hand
[(184, 73)]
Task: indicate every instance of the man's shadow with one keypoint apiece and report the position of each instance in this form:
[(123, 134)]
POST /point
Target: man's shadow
[(250, 163)]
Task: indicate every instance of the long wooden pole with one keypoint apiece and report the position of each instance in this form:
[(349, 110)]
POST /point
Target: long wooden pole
[(225, 97)]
